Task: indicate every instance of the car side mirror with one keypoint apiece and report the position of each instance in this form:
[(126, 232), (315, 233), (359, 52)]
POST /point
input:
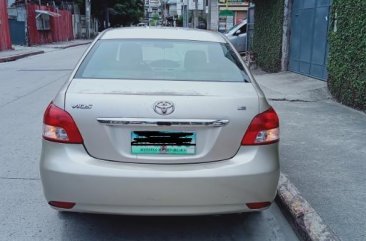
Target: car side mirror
[(238, 32)]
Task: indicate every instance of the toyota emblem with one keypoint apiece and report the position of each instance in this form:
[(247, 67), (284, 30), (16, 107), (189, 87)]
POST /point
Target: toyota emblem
[(164, 107)]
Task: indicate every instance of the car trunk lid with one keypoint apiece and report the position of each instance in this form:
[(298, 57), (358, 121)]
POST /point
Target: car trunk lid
[(113, 115)]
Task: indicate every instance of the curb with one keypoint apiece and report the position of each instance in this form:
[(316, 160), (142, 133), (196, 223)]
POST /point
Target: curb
[(73, 45), (306, 221), (19, 56)]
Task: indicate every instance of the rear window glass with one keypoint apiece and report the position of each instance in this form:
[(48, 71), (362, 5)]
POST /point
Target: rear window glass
[(162, 60)]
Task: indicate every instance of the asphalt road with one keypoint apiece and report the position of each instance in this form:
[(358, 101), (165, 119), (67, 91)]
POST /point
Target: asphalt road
[(26, 88)]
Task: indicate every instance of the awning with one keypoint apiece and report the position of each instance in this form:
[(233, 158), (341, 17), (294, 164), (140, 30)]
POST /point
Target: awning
[(226, 13), (52, 14)]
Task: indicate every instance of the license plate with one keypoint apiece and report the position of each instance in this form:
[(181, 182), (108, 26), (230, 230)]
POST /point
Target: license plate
[(163, 142)]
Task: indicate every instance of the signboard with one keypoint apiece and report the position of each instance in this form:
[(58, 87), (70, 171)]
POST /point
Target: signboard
[(226, 12), (154, 3), (229, 22), (233, 2)]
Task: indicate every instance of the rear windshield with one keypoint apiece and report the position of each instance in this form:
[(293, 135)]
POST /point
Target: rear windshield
[(152, 59)]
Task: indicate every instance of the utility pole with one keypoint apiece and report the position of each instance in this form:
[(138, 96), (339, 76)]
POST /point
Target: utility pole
[(208, 19), (185, 13), (195, 14), (149, 11), (213, 15), (87, 17), (26, 24)]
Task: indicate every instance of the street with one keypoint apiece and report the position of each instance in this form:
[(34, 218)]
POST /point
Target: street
[(26, 88)]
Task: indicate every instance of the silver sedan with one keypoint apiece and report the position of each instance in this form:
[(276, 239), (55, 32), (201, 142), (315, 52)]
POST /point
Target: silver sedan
[(160, 121)]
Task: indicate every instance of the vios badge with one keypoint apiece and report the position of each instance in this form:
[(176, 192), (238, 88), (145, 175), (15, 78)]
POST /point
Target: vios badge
[(164, 107)]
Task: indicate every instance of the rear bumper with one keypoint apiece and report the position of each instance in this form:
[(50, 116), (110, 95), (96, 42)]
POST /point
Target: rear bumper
[(69, 174)]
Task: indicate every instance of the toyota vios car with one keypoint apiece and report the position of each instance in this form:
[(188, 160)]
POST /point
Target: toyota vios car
[(160, 121)]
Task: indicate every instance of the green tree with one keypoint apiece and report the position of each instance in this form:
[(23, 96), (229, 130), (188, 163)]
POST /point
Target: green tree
[(154, 20), (126, 12), (119, 12)]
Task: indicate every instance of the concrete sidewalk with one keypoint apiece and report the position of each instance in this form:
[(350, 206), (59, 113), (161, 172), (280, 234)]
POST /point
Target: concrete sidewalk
[(12, 55), (19, 52), (323, 150)]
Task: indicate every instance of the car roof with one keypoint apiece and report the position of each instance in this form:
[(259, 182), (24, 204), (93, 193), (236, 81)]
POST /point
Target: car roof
[(162, 33)]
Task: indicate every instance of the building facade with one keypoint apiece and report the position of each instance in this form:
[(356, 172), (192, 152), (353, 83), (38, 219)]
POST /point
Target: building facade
[(34, 24), (231, 13)]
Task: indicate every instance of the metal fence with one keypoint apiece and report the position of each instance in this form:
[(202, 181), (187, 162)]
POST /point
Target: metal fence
[(5, 42)]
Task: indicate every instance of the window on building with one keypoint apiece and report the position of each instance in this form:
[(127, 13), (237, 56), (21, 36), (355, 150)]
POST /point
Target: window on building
[(43, 22)]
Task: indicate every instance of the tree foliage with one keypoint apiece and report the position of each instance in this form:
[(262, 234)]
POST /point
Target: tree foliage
[(347, 53), (120, 12), (126, 12), (267, 42)]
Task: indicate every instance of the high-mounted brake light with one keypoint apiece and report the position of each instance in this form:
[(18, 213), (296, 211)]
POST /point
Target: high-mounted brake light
[(58, 126), (264, 129)]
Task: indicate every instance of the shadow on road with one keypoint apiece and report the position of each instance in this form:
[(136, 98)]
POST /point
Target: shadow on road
[(110, 227)]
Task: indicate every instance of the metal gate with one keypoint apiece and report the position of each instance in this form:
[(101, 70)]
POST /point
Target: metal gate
[(309, 37), (17, 32)]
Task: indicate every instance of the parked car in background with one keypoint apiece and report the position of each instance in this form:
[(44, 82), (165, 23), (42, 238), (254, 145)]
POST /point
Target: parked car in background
[(238, 36), (160, 121)]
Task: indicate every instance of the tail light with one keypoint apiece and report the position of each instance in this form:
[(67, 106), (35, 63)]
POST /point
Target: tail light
[(64, 205), (264, 129), (58, 126), (258, 205)]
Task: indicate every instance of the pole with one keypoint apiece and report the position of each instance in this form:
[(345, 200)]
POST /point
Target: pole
[(26, 23), (208, 19), (149, 12), (184, 13), (195, 14), (187, 17), (214, 15), (87, 18), (286, 35)]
